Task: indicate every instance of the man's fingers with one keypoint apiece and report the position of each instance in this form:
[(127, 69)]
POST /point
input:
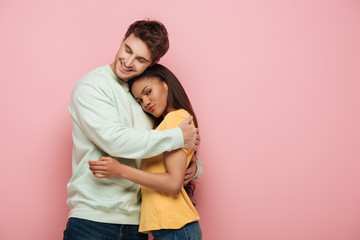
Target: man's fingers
[(196, 145), (186, 181), (198, 135), (197, 141), (187, 175), (188, 120)]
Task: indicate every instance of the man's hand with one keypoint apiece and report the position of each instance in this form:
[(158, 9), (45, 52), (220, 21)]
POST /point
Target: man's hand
[(190, 134), (190, 171)]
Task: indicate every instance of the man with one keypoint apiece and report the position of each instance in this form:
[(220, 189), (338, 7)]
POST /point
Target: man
[(107, 121)]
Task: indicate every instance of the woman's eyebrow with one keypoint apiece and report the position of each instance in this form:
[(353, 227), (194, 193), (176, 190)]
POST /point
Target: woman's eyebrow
[(143, 91)]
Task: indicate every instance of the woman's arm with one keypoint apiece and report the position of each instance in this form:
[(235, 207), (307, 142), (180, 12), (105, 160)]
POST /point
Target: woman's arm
[(171, 181)]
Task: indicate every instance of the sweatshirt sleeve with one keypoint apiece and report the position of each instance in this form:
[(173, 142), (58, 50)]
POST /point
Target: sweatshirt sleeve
[(96, 114), (199, 167)]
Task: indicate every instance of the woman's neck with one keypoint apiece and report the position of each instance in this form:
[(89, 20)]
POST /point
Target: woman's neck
[(168, 109)]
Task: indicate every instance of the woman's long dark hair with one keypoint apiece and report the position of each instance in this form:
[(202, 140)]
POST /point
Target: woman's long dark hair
[(177, 98)]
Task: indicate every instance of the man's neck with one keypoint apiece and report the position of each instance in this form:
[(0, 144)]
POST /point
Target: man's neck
[(112, 66)]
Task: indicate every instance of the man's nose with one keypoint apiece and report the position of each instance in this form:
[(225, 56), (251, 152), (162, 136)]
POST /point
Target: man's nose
[(130, 61)]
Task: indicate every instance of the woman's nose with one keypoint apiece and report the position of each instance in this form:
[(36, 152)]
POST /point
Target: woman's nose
[(146, 101)]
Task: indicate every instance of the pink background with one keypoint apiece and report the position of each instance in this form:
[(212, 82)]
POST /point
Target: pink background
[(275, 85)]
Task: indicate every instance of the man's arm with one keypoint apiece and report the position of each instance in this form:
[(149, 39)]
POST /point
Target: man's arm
[(98, 118)]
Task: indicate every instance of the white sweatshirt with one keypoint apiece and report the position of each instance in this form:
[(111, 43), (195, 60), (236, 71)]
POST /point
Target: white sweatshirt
[(107, 121)]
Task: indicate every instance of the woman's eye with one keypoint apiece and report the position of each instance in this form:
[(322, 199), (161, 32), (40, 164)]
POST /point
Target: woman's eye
[(148, 92)]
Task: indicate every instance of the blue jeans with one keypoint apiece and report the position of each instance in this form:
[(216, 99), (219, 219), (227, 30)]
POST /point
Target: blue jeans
[(190, 231), (81, 229)]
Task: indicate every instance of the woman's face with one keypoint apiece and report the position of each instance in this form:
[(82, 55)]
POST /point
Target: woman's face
[(152, 95)]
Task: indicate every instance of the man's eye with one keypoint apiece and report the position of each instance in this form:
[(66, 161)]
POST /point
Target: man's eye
[(141, 60)]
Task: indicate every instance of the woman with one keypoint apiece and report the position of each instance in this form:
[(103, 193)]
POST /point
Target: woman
[(166, 209)]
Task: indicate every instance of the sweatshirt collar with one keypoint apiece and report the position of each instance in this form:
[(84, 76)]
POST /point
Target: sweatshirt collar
[(113, 76)]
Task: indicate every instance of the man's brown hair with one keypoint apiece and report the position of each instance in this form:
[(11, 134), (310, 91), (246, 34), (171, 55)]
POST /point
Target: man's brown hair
[(154, 34)]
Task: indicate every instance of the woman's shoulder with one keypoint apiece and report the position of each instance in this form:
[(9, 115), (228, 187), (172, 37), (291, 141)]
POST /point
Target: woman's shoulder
[(174, 118), (180, 113)]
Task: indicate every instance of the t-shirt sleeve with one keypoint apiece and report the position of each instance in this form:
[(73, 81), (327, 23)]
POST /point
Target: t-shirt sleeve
[(173, 120)]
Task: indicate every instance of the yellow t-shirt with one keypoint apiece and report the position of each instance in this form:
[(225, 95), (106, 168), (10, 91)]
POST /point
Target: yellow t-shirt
[(161, 210)]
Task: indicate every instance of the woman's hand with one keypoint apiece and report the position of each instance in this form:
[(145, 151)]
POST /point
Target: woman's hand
[(106, 167)]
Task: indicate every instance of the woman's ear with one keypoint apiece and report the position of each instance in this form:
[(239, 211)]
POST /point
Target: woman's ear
[(165, 85)]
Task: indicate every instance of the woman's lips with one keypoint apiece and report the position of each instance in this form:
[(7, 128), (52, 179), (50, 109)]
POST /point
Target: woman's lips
[(151, 109)]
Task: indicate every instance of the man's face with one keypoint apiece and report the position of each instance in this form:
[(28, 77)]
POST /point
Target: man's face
[(132, 58)]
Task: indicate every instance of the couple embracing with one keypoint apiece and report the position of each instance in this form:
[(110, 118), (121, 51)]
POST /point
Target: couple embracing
[(114, 109)]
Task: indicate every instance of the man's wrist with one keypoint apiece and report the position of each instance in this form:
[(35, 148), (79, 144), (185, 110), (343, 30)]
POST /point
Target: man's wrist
[(177, 138)]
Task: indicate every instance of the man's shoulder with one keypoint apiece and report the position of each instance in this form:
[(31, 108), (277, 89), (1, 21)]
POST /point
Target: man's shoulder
[(95, 75), (96, 78)]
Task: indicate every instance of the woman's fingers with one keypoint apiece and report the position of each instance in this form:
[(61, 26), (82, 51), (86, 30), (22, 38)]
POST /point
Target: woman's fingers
[(98, 165), (103, 168), (98, 175), (97, 171)]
